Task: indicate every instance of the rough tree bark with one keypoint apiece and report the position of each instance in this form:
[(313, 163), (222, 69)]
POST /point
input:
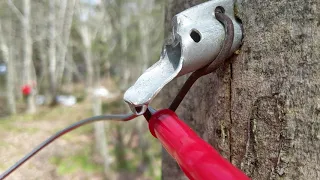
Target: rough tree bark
[(262, 110)]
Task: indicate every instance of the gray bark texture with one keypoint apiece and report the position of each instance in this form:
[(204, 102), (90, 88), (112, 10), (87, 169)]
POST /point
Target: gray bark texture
[(261, 110)]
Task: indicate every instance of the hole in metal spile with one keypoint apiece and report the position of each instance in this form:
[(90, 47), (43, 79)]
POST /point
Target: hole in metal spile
[(195, 35), (219, 9), (139, 110)]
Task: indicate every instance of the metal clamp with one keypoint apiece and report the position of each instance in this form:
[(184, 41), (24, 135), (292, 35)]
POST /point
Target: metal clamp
[(197, 39)]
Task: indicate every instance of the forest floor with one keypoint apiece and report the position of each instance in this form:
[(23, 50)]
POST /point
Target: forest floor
[(69, 157)]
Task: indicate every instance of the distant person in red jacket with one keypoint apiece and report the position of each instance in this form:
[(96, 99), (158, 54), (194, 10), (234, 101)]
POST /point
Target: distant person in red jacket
[(26, 91)]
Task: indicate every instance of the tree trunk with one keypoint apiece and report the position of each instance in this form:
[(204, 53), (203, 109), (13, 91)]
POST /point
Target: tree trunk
[(27, 54), (10, 84), (52, 52), (69, 70), (99, 127), (44, 77), (100, 136), (87, 43), (6, 52), (144, 23), (261, 111), (89, 68), (124, 51), (64, 40)]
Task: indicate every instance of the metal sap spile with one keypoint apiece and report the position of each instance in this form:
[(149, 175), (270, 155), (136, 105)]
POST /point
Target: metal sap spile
[(196, 40)]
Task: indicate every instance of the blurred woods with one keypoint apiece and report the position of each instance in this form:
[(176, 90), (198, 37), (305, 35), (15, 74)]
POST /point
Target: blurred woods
[(49, 44), (76, 47)]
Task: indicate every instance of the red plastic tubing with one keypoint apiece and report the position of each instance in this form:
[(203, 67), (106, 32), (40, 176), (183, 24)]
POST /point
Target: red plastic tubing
[(197, 159)]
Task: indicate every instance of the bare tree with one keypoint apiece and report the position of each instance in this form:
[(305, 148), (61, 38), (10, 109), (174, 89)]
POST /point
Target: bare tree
[(59, 33), (10, 81), (69, 69), (43, 80), (27, 54), (28, 67), (87, 43), (144, 28), (65, 35), (52, 50)]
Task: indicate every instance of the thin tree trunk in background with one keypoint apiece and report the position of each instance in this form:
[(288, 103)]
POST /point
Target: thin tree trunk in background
[(62, 28), (62, 10), (45, 85), (86, 40), (100, 136), (92, 82), (144, 42), (10, 84), (146, 26), (19, 68), (72, 65), (64, 42), (120, 149), (262, 110), (89, 68), (99, 127), (124, 48), (107, 69), (10, 77), (69, 70), (27, 54), (52, 52)]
